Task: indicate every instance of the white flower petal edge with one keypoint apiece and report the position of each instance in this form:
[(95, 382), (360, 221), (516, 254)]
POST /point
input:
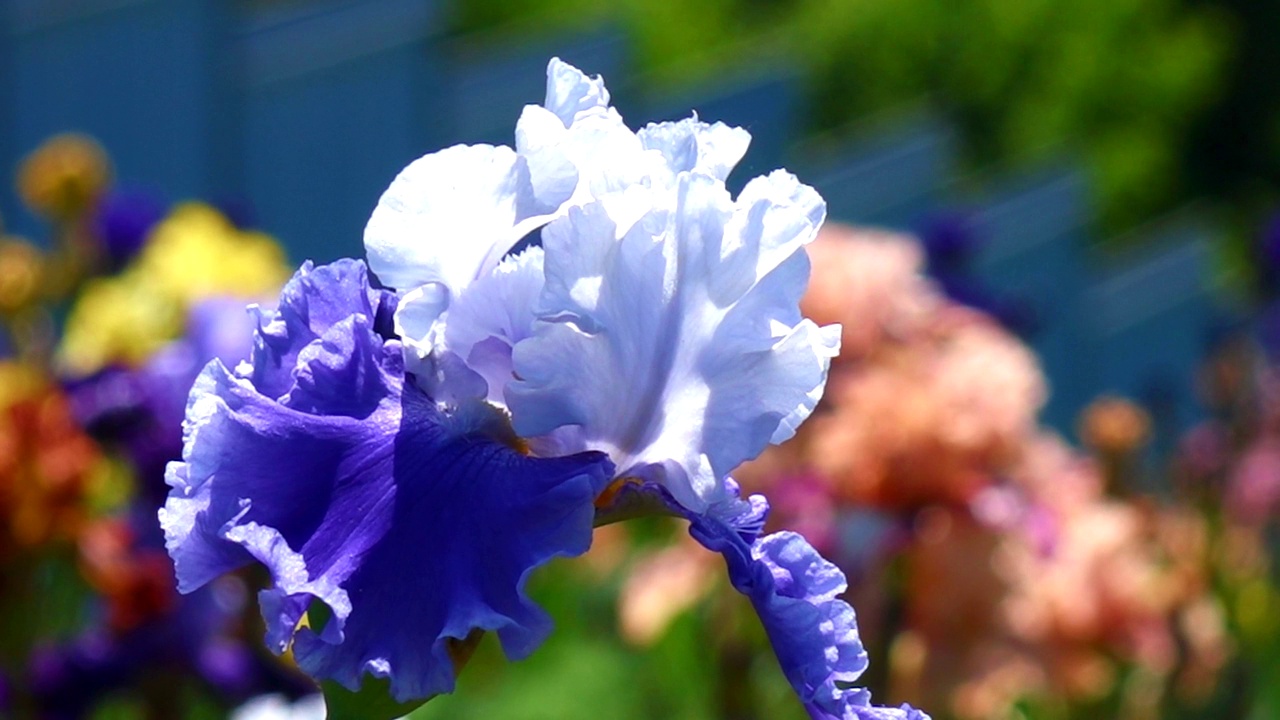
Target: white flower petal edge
[(448, 219), (450, 216), (571, 94), (690, 144), (679, 348)]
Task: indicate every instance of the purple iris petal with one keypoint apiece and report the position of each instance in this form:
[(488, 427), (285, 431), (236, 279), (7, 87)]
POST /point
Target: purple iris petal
[(866, 712), (354, 489), (316, 299), (794, 591), (813, 632)]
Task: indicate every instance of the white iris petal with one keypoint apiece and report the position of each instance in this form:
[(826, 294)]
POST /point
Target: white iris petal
[(450, 216), (690, 355), (667, 332)]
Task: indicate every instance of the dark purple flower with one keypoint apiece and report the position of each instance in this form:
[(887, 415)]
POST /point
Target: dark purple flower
[(412, 526), (949, 240), (201, 638), (124, 219), (139, 410)]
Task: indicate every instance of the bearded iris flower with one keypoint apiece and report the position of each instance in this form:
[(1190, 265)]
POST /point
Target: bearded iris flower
[(402, 458)]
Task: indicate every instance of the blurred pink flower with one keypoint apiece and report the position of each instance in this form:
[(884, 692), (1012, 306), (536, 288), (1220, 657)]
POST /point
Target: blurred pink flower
[(1253, 490), (870, 282), (932, 421)]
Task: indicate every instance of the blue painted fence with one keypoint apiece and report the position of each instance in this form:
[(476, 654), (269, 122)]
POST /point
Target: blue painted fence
[(308, 109)]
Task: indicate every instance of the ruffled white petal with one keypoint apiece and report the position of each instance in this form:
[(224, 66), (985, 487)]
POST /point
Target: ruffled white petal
[(691, 144), (571, 94), (450, 216), (679, 348), (420, 320), (492, 316)]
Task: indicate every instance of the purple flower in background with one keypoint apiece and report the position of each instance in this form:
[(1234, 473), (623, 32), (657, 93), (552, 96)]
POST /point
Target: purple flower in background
[(124, 219), (201, 638), (950, 240), (140, 410)]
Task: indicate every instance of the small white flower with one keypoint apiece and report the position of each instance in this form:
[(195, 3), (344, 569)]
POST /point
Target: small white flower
[(278, 707)]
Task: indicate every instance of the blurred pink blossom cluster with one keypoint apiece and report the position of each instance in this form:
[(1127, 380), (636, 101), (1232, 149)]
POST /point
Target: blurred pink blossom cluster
[(1016, 572), (928, 402), (1065, 595)]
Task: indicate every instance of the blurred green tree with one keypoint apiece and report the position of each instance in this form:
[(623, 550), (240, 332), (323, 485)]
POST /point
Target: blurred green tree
[(1125, 83)]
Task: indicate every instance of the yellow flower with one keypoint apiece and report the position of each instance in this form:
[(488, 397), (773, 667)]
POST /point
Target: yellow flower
[(197, 253), (62, 178), (121, 320), (193, 254), (21, 266)]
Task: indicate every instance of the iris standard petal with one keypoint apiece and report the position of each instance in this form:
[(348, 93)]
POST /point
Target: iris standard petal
[(678, 349), (571, 94), (412, 526), (487, 322), (691, 144), (450, 216)]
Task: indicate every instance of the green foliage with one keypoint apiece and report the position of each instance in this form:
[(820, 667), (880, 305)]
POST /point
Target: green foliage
[(1121, 82), (44, 600)]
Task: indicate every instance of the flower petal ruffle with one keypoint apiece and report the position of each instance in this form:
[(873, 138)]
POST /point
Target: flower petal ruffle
[(411, 525), (679, 348), (814, 633), (794, 590), (450, 216)]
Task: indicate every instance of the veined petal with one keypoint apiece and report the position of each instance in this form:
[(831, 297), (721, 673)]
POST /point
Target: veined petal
[(411, 525), (450, 216), (678, 349)]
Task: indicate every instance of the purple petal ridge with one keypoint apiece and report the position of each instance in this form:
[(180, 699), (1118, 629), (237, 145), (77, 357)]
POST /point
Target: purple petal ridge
[(355, 490)]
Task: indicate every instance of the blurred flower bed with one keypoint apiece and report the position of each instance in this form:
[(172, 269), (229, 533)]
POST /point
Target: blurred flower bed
[(106, 324), (998, 571)]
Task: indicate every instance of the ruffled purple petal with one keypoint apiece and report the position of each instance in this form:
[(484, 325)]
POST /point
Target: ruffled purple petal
[(355, 490), (315, 299), (855, 705), (795, 592), (813, 632)]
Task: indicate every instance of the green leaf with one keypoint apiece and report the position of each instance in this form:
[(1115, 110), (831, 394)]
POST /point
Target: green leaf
[(372, 701)]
